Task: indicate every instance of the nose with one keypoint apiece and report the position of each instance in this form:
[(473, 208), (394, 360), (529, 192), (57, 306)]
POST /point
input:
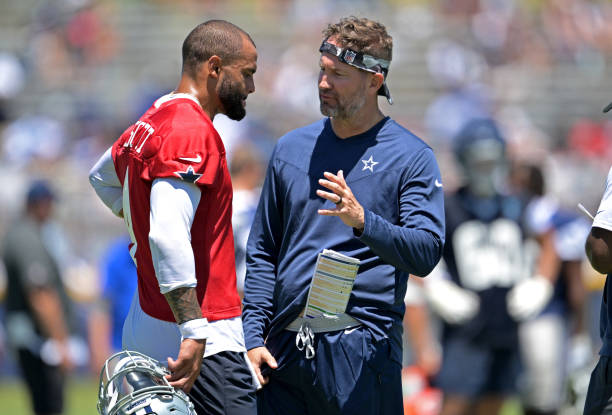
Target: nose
[(324, 81), (250, 86)]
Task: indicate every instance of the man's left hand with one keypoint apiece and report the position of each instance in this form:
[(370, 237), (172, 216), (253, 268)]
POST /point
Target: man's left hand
[(186, 368), (347, 207)]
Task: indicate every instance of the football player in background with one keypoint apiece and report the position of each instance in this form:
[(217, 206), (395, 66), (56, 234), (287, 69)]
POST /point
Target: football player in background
[(167, 177), (599, 253), (483, 287), (545, 339)]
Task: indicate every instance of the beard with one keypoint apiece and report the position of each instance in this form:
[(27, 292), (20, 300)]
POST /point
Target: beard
[(345, 108), (231, 99)]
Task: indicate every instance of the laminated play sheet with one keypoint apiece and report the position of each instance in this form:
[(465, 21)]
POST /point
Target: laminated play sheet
[(332, 284)]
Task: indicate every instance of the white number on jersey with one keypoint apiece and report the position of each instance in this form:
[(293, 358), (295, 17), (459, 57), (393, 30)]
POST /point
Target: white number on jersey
[(490, 255)]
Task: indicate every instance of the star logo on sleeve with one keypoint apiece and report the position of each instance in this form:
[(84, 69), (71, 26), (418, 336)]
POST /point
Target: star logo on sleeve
[(369, 164), (188, 175)]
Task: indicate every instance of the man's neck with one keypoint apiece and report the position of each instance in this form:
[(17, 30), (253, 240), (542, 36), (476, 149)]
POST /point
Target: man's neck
[(189, 86), (361, 122)]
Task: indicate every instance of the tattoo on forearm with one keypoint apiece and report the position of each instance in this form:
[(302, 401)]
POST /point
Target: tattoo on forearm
[(184, 304)]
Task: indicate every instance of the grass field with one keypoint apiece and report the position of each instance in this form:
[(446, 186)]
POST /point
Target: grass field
[(81, 398), (83, 394)]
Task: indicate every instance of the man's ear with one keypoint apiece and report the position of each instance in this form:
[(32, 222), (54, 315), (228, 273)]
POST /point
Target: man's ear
[(214, 66), (377, 80)]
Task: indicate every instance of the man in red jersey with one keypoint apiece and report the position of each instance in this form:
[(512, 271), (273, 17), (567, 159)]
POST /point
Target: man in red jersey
[(167, 177)]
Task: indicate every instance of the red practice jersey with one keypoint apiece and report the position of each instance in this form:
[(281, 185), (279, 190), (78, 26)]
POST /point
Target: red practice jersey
[(175, 138)]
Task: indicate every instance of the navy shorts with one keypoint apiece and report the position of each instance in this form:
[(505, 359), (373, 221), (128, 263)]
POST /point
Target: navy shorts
[(45, 383), (472, 370), (225, 386), (599, 396), (350, 374)]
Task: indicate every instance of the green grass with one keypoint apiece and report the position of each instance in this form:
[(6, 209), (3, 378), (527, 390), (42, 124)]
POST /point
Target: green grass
[(82, 394), (511, 407), (81, 397)]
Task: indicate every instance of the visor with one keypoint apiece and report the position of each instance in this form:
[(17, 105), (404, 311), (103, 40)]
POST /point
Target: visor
[(361, 61)]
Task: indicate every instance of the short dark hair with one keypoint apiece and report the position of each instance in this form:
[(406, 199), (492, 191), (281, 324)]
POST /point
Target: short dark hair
[(362, 35), (38, 191), (214, 37)]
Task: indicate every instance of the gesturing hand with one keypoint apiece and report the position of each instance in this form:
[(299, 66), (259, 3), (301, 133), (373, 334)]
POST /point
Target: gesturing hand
[(186, 368), (347, 207)]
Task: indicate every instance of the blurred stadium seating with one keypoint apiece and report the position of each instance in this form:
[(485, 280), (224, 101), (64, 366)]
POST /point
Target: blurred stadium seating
[(75, 73)]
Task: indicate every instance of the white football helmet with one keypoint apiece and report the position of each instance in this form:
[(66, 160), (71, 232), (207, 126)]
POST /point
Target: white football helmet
[(132, 383)]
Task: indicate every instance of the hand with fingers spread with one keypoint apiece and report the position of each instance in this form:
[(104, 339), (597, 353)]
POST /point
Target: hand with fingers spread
[(347, 207), (186, 368)]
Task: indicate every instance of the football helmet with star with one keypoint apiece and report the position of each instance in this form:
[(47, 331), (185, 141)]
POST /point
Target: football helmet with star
[(132, 383)]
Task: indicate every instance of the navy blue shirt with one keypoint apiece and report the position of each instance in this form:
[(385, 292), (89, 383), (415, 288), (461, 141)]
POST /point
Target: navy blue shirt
[(394, 176), (485, 253)]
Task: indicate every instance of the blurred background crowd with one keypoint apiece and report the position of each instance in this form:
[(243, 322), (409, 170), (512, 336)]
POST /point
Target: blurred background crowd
[(75, 73)]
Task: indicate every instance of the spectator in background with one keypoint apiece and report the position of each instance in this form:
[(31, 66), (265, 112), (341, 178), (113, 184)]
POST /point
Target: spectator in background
[(247, 171), (118, 283), (457, 71), (37, 307)]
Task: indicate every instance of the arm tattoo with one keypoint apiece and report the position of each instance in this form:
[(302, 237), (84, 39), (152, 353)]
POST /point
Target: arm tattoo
[(184, 304)]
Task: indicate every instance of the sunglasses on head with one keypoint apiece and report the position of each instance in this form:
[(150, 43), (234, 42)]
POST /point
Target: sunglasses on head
[(361, 61)]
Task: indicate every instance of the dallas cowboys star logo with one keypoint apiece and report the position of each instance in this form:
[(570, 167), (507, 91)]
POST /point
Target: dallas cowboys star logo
[(189, 175), (369, 164)]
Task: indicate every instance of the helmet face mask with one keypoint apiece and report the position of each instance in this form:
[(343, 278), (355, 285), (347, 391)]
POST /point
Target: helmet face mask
[(132, 383), (481, 153), (485, 167)]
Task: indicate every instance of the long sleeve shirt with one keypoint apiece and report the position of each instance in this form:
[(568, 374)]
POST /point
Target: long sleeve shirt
[(394, 176)]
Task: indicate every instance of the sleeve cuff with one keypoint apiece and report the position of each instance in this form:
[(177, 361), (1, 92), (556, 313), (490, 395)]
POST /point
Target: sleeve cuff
[(166, 288), (194, 329), (366, 225), (253, 343), (603, 219)]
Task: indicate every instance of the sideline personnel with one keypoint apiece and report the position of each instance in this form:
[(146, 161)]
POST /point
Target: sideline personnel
[(360, 184), (599, 252)]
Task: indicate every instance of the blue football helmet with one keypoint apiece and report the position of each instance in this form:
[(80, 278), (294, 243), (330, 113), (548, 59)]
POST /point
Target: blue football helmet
[(481, 152)]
